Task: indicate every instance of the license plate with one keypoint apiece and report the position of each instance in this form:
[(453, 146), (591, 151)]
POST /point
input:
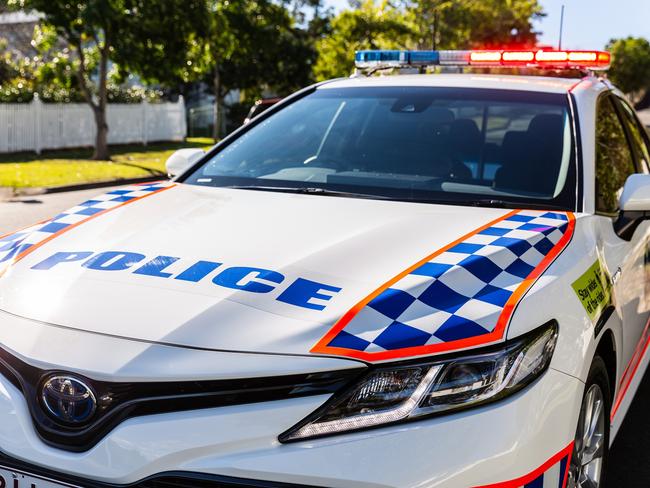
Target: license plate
[(11, 478)]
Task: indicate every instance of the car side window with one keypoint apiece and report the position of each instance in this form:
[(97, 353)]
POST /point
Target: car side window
[(638, 140), (614, 161)]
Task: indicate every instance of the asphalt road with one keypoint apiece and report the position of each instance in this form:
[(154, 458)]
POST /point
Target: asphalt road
[(16, 213), (629, 464)]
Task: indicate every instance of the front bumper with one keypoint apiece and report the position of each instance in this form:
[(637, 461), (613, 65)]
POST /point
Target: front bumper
[(496, 443)]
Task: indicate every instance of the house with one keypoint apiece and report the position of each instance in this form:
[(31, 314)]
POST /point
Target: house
[(17, 29)]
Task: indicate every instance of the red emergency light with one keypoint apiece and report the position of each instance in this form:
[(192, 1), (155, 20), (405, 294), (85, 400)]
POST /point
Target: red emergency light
[(596, 60)]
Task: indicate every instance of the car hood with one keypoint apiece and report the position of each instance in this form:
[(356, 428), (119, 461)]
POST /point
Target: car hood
[(240, 270)]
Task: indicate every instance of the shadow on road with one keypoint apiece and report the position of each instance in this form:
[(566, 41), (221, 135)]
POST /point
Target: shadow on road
[(629, 461), (31, 201)]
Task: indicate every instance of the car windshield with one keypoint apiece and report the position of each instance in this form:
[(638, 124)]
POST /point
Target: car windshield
[(408, 143)]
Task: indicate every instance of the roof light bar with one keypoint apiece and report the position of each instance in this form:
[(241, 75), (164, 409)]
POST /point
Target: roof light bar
[(542, 58)]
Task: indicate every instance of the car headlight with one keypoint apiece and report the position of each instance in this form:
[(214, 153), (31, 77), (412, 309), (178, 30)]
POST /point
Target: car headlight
[(405, 392)]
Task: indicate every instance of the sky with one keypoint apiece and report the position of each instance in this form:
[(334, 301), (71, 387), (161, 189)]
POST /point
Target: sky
[(588, 24)]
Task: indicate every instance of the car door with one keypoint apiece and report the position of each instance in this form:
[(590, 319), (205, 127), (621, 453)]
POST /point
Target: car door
[(627, 261)]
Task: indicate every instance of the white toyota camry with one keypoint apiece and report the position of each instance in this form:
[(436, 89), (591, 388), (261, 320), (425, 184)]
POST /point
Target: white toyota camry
[(425, 280)]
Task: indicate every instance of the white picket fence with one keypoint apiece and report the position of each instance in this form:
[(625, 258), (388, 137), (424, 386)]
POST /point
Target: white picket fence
[(36, 126)]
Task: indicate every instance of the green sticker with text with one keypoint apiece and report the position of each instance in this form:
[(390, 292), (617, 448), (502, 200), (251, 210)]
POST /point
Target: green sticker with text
[(594, 289)]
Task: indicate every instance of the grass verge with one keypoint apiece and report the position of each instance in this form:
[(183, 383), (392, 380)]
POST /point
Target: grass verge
[(73, 166)]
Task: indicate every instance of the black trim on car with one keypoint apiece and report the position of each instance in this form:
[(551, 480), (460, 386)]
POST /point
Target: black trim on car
[(170, 479), (579, 158), (119, 401)]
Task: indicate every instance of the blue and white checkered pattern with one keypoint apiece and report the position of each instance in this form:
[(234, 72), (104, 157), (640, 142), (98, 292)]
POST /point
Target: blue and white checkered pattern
[(13, 245), (461, 292), (552, 478)]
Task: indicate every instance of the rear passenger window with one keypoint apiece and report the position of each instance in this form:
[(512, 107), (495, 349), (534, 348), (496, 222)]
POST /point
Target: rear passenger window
[(614, 161), (639, 142)]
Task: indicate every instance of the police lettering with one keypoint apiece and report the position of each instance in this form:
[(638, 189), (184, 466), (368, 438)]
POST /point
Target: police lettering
[(299, 293)]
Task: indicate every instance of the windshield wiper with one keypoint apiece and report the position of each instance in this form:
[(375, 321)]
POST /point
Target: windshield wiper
[(483, 202), (309, 191), (496, 203)]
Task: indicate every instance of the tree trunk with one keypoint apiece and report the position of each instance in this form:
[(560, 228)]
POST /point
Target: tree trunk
[(101, 139), (101, 152), (218, 105)]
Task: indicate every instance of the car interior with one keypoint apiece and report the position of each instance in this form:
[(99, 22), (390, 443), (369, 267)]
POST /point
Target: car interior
[(420, 143)]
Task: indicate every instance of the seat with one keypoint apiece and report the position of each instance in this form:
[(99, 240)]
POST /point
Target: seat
[(465, 144), (513, 155), (427, 145), (532, 159)]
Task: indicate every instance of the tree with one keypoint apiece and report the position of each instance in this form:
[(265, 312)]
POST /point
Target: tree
[(370, 25), (425, 24), (8, 70), (50, 73), (300, 10), (252, 45), (630, 69), (151, 37), (16, 81), (465, 24)]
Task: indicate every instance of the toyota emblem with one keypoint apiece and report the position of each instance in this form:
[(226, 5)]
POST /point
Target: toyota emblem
[(68, 399)]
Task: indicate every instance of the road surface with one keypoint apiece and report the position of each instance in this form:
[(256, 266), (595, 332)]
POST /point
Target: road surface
[(629, 464), (16, 213)]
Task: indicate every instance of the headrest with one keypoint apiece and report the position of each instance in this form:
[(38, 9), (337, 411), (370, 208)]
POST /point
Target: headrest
[(440, 115), (464, 132), (546, 124)]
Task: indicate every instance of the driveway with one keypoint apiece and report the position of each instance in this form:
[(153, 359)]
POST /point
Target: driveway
[(629, 464)]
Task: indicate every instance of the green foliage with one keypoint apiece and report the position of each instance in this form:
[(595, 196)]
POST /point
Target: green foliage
[(149, 37), (53, 77), (368, 26), (155, 37), (253, 45), (465, 24), (630, 69), (16, 85), (90, 49), (8, 70), (16, 91), (424, 24)]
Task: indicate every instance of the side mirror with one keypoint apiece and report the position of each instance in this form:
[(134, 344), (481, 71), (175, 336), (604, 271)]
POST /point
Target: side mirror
[(182, 160), (636, 194), (634, 204)]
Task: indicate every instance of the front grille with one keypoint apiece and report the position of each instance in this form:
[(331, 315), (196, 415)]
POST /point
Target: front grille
[(119, 401)]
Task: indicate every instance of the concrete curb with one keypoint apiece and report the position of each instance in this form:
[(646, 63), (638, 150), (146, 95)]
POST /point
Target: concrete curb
[(6, 193)]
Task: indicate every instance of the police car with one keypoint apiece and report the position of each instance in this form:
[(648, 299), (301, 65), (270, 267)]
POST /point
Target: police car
[(427, 280)]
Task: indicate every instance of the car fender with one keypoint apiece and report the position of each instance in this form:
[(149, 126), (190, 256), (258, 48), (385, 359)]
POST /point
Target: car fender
[(553, 298)]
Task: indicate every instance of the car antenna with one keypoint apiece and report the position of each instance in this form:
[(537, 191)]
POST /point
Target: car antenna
[(559, 47)]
